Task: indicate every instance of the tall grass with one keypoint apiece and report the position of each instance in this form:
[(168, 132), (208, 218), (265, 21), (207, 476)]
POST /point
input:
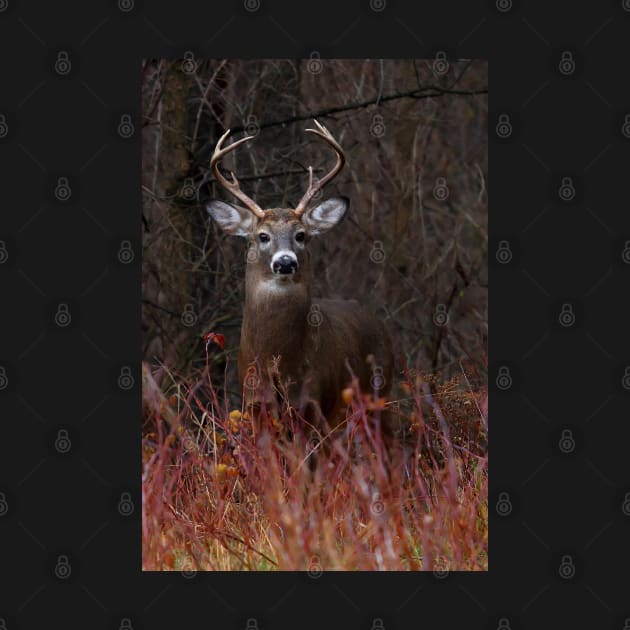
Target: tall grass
[(256, 489)]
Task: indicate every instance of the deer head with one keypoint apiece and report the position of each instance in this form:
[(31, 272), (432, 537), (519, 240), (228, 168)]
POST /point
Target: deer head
[(278, 237)]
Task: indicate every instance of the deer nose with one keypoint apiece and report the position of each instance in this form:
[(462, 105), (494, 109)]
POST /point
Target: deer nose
[(284, 264)]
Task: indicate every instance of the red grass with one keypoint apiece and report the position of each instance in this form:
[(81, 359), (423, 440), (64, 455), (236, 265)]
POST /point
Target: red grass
[(228, 491)]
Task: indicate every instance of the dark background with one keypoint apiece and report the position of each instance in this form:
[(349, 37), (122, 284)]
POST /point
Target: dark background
[(70, 535)]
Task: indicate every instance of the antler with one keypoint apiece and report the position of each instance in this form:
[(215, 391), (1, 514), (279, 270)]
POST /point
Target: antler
[(233, 186), (325, 135)]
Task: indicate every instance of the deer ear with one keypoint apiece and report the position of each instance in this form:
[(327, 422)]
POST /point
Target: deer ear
[(232, 219), (326, 215)]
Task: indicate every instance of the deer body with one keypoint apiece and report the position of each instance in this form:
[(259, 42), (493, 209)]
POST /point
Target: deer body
[(307, 348)]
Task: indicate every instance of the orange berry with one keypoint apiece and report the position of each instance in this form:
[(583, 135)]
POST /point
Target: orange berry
[(347, 395)]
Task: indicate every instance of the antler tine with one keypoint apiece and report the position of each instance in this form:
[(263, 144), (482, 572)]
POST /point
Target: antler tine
[(325, 135), (234, 187)]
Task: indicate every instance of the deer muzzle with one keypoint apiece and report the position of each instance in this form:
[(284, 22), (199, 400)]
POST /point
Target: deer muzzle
[(284, 262)]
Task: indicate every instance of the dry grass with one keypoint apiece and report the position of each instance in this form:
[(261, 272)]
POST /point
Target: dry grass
[(227, 491)]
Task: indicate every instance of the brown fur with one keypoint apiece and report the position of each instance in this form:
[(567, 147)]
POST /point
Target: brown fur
[(314, 340)]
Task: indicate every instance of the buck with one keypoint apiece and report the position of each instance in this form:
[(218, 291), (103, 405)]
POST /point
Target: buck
[(313, 345)]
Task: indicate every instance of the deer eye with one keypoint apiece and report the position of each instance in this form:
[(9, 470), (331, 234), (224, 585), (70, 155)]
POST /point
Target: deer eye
[(300, 236), (263, 237)]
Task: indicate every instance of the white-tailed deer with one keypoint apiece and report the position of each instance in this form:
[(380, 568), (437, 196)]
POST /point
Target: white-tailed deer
[(312, 344)]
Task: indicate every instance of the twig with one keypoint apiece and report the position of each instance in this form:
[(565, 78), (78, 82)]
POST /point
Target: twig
[(428, 91), (204, 100)]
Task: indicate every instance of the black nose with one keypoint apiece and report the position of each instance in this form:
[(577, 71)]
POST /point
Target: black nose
[(285, 264)]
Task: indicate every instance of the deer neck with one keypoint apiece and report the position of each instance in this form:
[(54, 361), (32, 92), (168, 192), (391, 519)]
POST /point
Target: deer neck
[(275, 315)]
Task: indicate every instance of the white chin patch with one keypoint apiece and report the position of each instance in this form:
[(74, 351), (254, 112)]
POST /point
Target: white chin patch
[(277, 284)]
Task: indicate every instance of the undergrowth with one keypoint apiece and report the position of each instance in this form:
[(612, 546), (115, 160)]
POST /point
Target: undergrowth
[(236, 489)]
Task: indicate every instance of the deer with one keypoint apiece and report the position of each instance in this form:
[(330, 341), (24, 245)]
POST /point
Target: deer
[(307, 350)]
